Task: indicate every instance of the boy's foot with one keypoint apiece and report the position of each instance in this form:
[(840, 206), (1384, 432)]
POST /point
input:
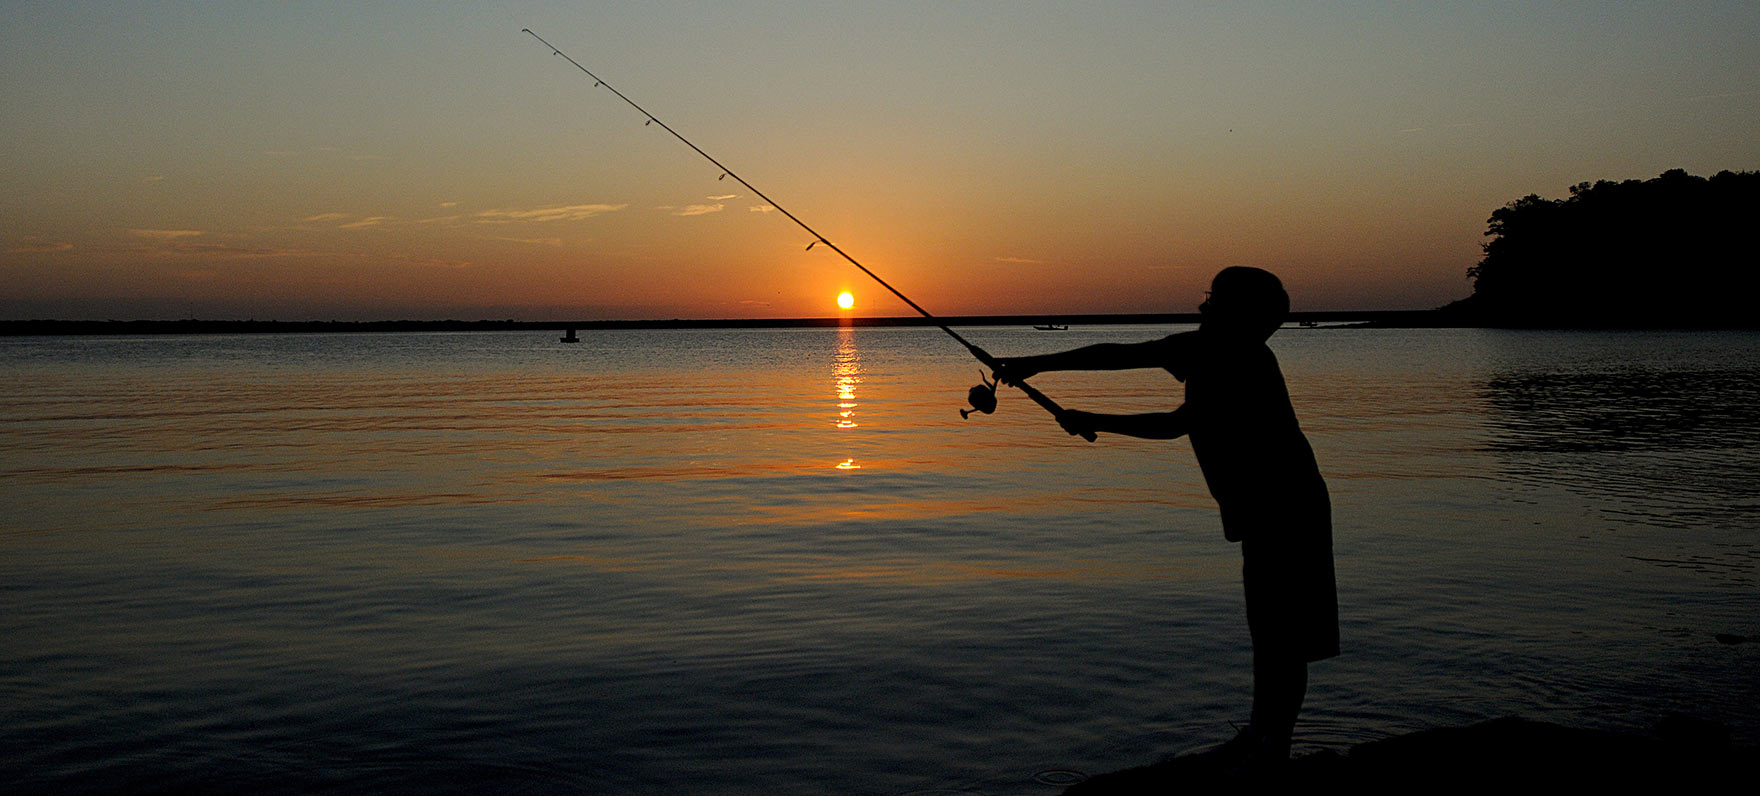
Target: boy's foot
[(1248, 751)]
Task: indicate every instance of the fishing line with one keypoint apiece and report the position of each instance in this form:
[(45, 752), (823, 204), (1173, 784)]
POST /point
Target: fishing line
[(982, 355)]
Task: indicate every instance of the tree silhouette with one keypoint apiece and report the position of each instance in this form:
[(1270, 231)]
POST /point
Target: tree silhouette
[(1676, 250)]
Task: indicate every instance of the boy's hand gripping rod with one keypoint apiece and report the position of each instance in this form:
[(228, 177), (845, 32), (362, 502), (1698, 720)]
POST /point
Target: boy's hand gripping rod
[(984, 404)]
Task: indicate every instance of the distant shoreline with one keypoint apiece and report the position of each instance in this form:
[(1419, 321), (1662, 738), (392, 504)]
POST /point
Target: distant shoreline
[(1379, 318)]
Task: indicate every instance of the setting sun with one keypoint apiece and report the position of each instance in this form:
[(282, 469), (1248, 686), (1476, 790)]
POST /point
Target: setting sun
[(845, 300)]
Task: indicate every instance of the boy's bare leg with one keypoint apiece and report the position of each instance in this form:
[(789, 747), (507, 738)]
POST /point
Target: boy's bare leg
[(1279, 685)]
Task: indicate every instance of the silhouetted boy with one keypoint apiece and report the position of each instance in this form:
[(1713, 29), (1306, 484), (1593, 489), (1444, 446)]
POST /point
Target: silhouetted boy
[(1261, 471)]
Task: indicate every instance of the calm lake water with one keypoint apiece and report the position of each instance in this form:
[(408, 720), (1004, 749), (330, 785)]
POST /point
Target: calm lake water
[(777, 561)]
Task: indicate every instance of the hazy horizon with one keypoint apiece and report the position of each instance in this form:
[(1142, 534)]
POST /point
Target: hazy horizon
[(360, 161)]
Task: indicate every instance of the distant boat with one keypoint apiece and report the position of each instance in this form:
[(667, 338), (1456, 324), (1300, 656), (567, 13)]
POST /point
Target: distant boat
[(570, 338), (1052, 327)]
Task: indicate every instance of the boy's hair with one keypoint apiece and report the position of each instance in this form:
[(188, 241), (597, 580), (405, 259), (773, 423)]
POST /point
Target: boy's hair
[(1253, 297)]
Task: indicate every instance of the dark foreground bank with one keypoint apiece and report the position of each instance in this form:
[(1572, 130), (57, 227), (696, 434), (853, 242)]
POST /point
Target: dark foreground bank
[(1503, 752)]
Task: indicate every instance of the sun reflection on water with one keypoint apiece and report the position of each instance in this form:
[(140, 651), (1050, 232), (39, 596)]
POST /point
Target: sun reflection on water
[(846, 373)]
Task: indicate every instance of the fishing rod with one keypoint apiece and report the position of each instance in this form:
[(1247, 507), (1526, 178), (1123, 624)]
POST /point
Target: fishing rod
[(982, 396)]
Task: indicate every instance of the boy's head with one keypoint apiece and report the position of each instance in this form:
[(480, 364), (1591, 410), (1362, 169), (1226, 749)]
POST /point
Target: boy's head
[(1246, 301)]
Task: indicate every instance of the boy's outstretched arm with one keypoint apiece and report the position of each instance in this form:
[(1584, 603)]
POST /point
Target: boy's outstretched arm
[(1151, 425), (1102, 356)]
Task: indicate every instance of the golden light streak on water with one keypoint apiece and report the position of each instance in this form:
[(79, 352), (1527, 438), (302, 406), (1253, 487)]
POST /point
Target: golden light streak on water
[(846, 372)]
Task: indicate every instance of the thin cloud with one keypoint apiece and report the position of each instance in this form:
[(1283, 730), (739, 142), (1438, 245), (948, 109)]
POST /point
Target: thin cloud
[(540, 214), (1721, 95), (37, 246), (165, 234), (321, 150), (698, 210), (203, 249), (326, 217), (1437, 127), (428, 262), (369, 221)]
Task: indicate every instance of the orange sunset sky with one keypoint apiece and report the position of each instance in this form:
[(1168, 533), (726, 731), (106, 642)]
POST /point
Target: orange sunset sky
[(353, 161)]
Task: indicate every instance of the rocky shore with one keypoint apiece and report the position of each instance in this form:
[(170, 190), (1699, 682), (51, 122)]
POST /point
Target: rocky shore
[(1506, 752)]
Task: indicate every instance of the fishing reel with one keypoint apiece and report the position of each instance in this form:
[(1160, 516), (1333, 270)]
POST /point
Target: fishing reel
[(982, 397)]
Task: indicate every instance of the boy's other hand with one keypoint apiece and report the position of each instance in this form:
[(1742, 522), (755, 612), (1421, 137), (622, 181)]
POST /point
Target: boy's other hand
[(1078, 423)]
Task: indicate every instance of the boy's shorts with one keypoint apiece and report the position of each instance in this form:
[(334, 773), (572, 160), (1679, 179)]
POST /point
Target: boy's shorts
[(1292, 596)]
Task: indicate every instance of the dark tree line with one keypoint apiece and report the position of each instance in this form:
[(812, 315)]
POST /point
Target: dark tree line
[(1676, 250)]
